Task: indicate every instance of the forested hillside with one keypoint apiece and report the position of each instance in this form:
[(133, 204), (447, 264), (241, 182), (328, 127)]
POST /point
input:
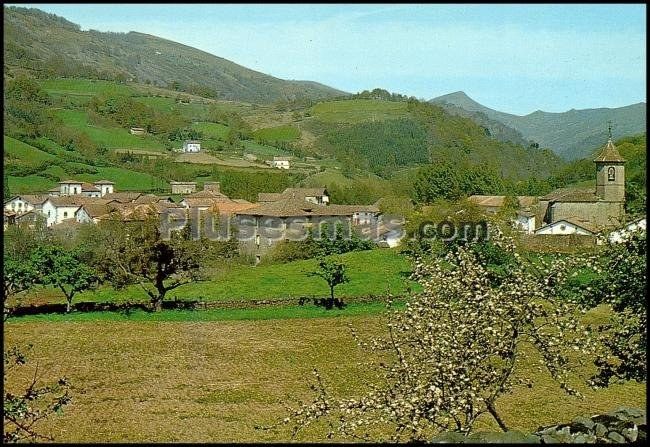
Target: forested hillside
[(572, 134), (48, 46)]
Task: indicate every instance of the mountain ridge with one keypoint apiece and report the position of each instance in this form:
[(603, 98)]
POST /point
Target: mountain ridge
[(46, 43), (572, 134)]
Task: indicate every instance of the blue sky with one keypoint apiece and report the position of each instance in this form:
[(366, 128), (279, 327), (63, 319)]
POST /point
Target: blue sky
[(514, 58)]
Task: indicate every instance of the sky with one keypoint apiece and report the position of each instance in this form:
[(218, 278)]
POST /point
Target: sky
[(514, 58)]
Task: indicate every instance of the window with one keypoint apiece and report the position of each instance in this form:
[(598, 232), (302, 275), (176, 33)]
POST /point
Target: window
[(65, 214), (13, 206), (562, 227), (611, 174), (49, 214)]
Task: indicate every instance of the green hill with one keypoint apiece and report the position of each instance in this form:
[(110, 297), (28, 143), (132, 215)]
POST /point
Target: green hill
[(50, 45), (572, 134)]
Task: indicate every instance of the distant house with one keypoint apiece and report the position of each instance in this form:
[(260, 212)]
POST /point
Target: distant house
[(191, 146), (75, 187), (319, 196), (280, 162), (58, 209), (525, 221), (570, 225), (137, 131), (183, 187), (24, 203)]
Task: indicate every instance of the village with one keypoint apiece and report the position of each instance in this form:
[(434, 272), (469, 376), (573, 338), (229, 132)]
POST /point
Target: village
[(565, 211)]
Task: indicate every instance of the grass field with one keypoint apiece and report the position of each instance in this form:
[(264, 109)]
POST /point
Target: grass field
[(212, 130), (357, 110), (112, 138), (374, 272), (28, 155), (278, 133), (30, 184), (262, 150), (214, 381)]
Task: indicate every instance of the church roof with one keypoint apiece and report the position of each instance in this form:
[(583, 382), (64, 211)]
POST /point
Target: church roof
[(609, 154), (571, 195)]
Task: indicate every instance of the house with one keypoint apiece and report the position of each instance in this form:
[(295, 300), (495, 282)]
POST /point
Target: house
[(191, 146), (319, 196), (123, 197), (24, 203), (602, 207), (75, 187), (280, 162), (525, 221), (137, 131), (30, 218), (183, 187), (58, 209), (618, 236), (93, 212), (105, 187), (569, 225), (291, 217)]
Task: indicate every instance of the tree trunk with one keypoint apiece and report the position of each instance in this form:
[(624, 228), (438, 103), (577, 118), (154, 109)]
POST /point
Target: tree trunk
[(68, 305), (330, 301), (157, 305), (496, 417)]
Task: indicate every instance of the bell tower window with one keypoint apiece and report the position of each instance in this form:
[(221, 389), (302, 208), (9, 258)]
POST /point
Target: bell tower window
[(611, 174)]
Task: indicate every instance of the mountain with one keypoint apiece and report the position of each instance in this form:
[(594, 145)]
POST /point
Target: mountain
[(573, 134), (52, 46)]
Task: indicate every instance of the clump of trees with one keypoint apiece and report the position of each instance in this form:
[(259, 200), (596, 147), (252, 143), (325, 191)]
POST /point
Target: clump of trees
[(456, 347)]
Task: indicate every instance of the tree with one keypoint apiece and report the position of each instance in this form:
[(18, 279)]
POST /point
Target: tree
[(23, 409), (334, 273), (456, 348), (19, 276), (620, 281), (63, 269), (138, 254)]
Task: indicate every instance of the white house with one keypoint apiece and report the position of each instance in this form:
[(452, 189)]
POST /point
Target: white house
[(191, 146), (618, 236), (105, 187), (525, 221), (58, 209), (24, 203), (183, 187), (280, 162), (70, 187), (568, 226)]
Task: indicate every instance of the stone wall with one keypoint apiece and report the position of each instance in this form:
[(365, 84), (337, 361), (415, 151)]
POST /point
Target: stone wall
[(621, 426)]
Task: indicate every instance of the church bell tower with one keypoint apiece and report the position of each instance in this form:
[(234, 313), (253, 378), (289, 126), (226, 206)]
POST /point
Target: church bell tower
[(610, 173)]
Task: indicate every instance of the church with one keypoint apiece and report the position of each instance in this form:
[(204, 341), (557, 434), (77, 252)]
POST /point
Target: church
[(585, 210)]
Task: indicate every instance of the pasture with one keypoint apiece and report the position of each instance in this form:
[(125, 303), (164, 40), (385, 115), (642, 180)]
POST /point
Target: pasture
[(214, 381), (358, 110), (375, 272), (111, 138)]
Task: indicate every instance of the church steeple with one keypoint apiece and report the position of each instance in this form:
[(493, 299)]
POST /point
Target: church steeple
[(610, 173)]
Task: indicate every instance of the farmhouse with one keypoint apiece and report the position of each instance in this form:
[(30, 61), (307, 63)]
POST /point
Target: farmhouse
[(137, 131), (24, 203), (280, 162), (75, 187), (183, 187), (292, 215), (319, 196), (568, 226), (58, 209), (191, 146)]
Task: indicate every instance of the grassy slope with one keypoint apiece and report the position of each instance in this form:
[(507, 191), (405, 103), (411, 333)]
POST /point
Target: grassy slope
[(216, 380), (112, 138), (358, 110), (124, 179), (371, 272)]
